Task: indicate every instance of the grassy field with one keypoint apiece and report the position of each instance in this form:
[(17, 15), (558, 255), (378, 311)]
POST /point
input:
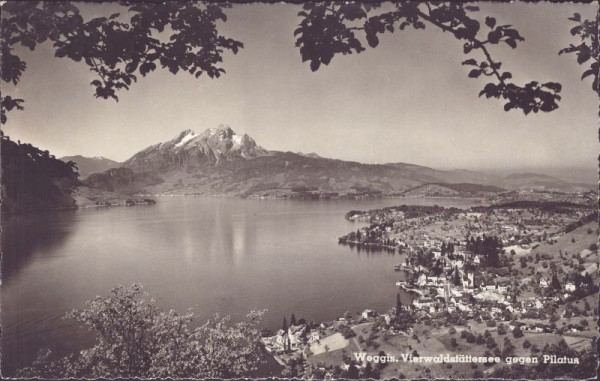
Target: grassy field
[(438, 341), (329, 343)]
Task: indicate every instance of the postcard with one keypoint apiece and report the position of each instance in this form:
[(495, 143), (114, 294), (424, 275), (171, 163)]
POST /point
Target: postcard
[(311, 190)]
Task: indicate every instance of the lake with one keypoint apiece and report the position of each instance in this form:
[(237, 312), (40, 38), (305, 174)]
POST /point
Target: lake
[(211, 254)]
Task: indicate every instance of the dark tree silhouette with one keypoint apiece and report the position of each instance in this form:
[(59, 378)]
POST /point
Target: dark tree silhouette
[(183, 36), (587, 50), (330, 28), (119, 47)]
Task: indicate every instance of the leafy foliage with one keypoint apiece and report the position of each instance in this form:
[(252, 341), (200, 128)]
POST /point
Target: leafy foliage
[(136, 339), (331, 28), (587, 50), (33, 179), (183, 36), (178, 36)]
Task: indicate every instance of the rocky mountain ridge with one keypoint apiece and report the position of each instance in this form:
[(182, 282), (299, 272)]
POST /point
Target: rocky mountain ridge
[(190, 151), (219, 161)]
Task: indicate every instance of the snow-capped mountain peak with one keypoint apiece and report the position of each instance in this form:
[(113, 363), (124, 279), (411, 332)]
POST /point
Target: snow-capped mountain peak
[(185, 138), (189, 149)]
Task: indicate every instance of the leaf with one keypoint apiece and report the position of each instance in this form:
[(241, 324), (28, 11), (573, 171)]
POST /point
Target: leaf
[(557, 87), (505, 75), (584, 55), (372, 40), (510, 42), (494, 36), (587, 73), (471, 8), (60, 53), (314, 65), (470, 61), (490, 21), (575, 30), (475, 73), (147, 67), (130, 67), (490, 90)]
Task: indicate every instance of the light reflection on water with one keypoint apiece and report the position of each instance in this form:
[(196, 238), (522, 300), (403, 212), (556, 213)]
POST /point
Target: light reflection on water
[(213, 254)]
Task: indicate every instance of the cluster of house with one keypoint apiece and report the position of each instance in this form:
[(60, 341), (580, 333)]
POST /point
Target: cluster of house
[(290, 340)]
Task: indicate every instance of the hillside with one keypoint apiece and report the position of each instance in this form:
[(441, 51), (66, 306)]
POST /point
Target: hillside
[(219, 161), (121, 180), (453, 176), (452, 190), (34, 180), (540, 182), (88, 165)]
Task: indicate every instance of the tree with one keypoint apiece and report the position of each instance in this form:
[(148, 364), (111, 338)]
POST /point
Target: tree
[(351, 373), (331, 28), (285, 325), (119, 47), (126, 44), (517, 332), (136, 339), (555, 283), (456, 277), (292, 320), (587, 50)]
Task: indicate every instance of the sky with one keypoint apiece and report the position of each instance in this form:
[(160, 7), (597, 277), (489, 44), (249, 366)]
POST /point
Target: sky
[(408, 100)]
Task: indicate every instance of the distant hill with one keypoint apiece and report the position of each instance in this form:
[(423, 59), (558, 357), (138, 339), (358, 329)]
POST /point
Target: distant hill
[(219, 161), (451, 176), (88, 165), (452, 190), (121, 180), (540, 182)]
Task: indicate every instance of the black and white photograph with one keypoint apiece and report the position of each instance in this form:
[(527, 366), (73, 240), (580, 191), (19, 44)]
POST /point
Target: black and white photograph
[(299, 190)]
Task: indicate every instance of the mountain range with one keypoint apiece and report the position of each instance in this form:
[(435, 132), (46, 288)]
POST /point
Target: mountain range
[(88, 165), (219, 161)]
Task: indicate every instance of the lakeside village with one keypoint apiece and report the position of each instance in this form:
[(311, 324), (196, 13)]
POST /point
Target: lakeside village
[(514, 282)]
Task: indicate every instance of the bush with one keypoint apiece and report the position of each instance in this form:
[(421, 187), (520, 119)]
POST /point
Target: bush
[(480, 339), (526, 344), (136, 339), (517, 332)]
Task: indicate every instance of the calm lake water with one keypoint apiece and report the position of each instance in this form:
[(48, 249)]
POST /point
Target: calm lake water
[(211, 254)]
